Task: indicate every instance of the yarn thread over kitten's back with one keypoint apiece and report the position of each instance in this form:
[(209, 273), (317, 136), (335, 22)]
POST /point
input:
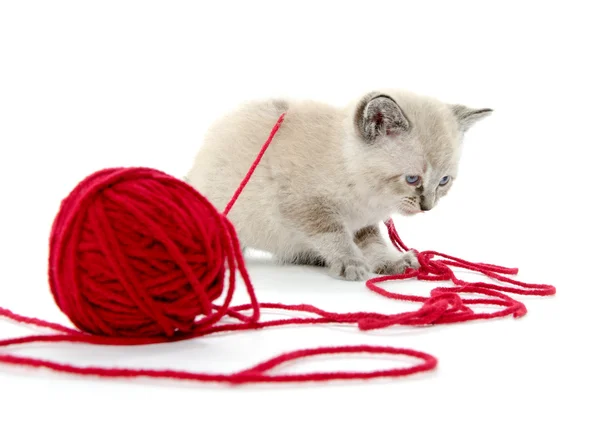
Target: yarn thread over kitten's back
[(138, 256)]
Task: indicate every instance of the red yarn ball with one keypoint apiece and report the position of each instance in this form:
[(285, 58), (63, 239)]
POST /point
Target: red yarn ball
[(136, 252)]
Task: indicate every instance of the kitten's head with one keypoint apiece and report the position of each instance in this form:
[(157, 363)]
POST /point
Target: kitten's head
[(409, 146)]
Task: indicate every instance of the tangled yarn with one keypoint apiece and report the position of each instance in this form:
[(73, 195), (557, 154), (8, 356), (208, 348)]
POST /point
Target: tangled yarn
[(137, 253), (138, 256)]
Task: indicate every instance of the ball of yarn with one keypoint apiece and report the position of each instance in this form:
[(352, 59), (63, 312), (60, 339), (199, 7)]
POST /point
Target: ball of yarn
[(136, 252)]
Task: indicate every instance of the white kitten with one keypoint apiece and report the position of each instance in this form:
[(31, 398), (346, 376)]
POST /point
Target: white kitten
[(331, 175)]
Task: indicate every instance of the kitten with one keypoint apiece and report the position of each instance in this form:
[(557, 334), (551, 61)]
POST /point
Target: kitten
[(331, 175)]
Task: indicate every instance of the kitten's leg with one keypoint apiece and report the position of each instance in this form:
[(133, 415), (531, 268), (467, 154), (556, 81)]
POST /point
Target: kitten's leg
[(336, 251), (307, 258), (325, 234), (342, 259), (341, 255), (381, 258)]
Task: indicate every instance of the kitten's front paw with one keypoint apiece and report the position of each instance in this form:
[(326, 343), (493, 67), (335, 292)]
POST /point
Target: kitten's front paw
[(398, 265), (349, 269)]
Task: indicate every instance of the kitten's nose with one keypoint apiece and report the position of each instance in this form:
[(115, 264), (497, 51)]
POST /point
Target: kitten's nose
[(425, 203)]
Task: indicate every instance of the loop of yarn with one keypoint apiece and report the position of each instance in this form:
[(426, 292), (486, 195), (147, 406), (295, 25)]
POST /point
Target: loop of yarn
[(138, 256)]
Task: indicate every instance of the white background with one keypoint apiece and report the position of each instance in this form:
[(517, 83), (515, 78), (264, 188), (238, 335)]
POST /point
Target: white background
[(86, 85)]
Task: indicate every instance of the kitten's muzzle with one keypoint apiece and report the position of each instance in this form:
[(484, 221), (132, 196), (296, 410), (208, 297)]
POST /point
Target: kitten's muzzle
[(425, 206)]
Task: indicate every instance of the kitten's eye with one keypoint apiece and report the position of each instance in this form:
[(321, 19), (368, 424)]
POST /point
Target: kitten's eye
[(444, 180), (413, 179)]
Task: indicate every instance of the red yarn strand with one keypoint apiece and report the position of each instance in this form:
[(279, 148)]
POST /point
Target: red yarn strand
[(256, 374), (177, 266), (254, 165)]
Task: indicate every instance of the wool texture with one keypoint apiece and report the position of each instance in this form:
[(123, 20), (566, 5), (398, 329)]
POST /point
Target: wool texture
[(138, 256)]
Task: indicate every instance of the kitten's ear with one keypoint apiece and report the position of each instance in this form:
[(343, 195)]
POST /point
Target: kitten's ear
[(378, 115), (467, 116)]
